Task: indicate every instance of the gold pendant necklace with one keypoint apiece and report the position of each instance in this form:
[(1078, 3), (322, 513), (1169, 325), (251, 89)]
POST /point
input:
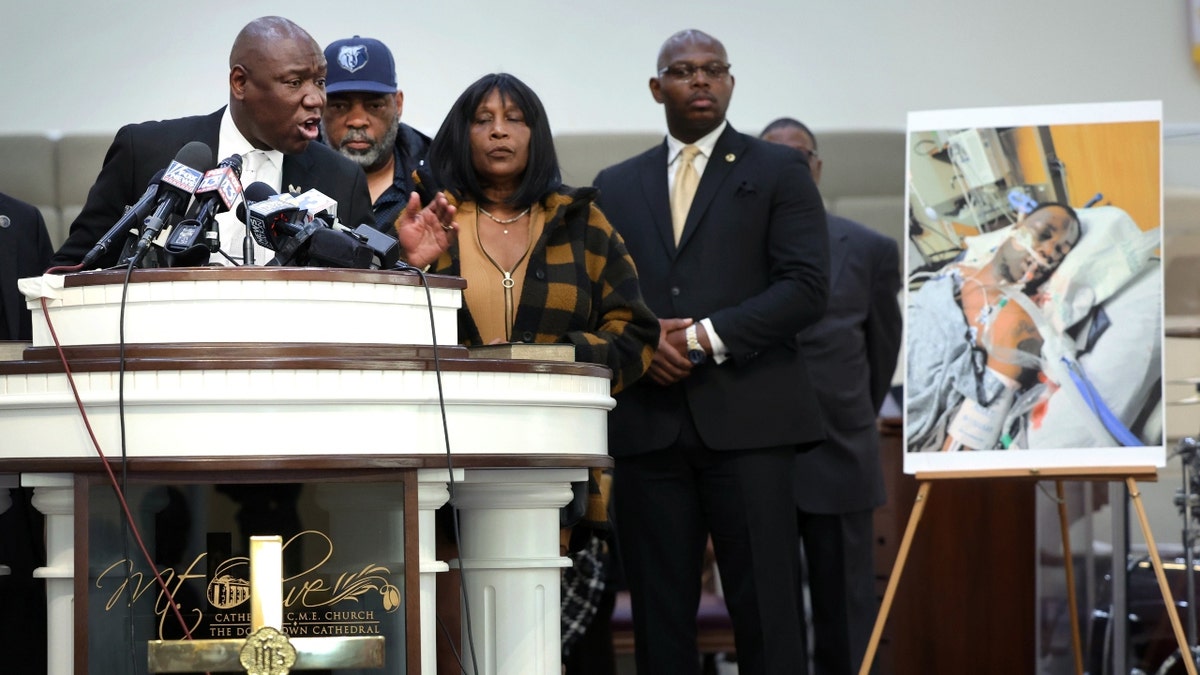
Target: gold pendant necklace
[(507, 282), (506, 221)]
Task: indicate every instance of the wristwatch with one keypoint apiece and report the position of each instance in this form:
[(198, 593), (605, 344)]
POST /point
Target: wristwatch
[(695, 352)]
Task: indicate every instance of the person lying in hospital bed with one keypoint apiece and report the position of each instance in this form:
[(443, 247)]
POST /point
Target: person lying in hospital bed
[(972, 349), (1019, 345)]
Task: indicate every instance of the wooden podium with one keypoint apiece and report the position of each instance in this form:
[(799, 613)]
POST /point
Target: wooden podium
[(266, 375)]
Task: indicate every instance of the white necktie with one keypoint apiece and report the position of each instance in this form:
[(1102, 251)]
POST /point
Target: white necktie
[(686, 180), (260, 168)]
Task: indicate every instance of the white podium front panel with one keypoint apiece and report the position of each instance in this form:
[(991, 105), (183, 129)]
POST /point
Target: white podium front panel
[(248, 304), (288, 408)]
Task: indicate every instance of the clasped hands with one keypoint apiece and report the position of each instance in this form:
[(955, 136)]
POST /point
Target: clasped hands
[(670, 363), (425, 233)]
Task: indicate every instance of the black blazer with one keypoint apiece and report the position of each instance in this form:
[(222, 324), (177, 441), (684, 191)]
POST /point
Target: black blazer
[(139, 150), (25, 251), (851, 354), (753, 258)]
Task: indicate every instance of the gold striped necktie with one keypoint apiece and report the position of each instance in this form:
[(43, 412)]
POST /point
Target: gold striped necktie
[(686, 180)]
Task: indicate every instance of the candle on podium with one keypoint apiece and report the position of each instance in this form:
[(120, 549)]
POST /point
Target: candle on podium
[(266, 582)]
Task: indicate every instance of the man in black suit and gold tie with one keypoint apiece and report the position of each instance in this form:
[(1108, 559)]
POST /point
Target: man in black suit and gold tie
[(706, 442), (276, 94), (852, 354)]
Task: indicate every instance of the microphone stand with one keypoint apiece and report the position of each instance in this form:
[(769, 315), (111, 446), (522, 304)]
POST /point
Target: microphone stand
[(1188, 501)]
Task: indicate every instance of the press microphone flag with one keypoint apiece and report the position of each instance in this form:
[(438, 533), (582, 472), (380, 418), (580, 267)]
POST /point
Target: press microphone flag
[(219, 189), (316, 202), (270, 216)]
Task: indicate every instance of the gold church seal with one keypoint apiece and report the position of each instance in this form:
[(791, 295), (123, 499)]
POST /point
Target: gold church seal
[(267, 652)]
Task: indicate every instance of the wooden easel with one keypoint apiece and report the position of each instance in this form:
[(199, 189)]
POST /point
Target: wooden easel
[(1129, 474)]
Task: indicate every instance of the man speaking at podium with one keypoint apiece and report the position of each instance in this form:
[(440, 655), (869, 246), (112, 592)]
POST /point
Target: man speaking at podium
[(276, 96)]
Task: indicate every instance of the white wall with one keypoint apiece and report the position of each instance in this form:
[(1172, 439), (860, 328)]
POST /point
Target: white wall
[(73, 66)]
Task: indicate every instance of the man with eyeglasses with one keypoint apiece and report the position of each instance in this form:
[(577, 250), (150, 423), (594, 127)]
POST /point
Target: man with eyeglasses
[(852, 354), (728, 233)]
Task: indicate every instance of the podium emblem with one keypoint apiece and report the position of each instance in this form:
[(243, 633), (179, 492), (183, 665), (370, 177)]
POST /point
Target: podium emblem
[(267, 652)]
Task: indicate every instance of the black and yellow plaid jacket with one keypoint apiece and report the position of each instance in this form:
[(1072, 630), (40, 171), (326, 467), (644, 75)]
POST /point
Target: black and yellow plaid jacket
[(581, 287)]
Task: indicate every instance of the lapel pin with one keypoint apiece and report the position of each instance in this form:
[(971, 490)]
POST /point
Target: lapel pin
[(730, 157), (293, 189)]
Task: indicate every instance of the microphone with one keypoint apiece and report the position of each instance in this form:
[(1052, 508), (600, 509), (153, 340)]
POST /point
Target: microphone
[(254, 192), (384, 247), (175, 189), (282, 223), (125, 224), (218, 191), (271, 216), (195, 238)]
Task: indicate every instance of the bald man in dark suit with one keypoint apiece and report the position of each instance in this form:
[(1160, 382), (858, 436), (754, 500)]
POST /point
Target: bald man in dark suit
[(852, 354), (705, 443), (276, 95)]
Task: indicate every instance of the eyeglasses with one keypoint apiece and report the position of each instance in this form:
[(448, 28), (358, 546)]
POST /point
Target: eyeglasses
[(684, 72), (808, 154)]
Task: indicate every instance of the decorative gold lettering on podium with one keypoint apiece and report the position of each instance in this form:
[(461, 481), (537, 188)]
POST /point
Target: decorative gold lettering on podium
[(267, 650)]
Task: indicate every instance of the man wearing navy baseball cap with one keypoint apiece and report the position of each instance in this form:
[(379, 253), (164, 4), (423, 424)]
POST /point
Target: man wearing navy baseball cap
[(362, 121)]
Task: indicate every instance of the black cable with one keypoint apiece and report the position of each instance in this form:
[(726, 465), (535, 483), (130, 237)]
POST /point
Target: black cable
[(437, 369), (450, 642), (125, 459)]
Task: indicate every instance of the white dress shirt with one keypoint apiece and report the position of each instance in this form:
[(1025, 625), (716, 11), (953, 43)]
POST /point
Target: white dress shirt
[(264, 166)]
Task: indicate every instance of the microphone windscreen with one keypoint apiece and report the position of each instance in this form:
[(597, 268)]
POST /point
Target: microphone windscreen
[(255, 192), (196, 155), (233, 162)]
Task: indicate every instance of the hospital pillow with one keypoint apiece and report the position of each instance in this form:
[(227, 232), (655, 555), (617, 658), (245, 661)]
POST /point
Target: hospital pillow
[(1111, 252)]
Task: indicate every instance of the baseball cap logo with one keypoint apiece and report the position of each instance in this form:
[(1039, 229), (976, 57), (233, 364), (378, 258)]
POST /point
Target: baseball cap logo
[(352, 57)]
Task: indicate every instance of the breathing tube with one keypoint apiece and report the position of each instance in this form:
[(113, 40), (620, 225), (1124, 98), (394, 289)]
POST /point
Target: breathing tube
[(1059, 363)]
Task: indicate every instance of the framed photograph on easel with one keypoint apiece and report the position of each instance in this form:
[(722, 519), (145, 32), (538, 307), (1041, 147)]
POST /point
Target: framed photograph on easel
[(1034, 313)]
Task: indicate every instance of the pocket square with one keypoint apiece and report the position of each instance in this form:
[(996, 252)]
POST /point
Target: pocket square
[(745, 189)]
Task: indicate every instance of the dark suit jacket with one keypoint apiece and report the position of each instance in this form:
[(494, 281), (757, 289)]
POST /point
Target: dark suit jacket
[(139, 150), (851, 354), (754, 258), (25, 251)]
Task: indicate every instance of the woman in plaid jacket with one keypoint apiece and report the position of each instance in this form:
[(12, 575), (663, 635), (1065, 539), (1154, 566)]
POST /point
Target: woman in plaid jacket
[(541, 261), (542, 264)]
